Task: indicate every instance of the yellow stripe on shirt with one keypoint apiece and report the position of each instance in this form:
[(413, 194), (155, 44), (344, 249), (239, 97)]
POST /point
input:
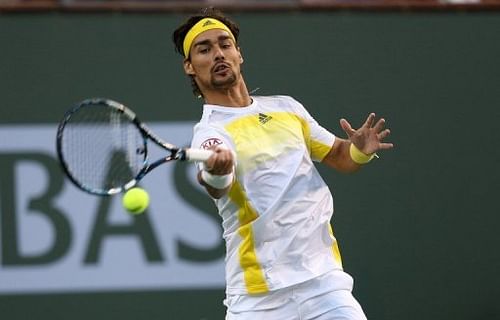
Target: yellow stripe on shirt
[(335, 247), (317, 149), (252, 270)]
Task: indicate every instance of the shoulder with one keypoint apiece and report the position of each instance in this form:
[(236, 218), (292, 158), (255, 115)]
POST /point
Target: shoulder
[(282, 102), (207, 135), (283, 99), (203, 128)]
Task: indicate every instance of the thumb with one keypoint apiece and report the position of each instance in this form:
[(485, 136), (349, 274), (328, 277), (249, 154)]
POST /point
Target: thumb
[(346, 126)]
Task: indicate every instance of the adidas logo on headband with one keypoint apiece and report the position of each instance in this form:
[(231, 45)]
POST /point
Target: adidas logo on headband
[(208, 23)]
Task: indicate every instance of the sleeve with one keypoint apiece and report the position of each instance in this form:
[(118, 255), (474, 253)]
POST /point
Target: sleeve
[(318, 139), (206, 137)]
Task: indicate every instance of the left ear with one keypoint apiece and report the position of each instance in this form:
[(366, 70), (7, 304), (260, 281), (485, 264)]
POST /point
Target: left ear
[(188, 67), (241, 57)]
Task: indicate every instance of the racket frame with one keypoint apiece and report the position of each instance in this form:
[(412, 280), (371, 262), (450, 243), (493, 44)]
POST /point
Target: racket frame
[(175, 153)]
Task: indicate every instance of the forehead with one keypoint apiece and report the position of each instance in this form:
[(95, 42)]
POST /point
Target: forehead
[(212, 35)]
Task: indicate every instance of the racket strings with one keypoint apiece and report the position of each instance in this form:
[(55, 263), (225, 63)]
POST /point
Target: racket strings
[(103, 149)]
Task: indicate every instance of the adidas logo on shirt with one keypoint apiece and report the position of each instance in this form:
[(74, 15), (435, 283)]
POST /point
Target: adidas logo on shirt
[(263, 118)]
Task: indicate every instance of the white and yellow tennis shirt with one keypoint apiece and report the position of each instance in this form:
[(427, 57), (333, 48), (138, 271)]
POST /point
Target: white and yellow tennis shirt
[(276, 217)]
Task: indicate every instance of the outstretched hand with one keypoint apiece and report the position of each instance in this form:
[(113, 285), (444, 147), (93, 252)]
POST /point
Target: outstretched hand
[(368, 138)]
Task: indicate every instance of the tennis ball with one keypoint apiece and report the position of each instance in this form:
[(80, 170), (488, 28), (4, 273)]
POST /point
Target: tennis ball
[(135, 200)]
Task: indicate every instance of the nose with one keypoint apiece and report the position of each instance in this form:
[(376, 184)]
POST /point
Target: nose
[(218, 53)]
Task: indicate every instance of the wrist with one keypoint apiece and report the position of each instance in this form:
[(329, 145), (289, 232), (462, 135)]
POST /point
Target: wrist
[(358, 156), (217, 181)]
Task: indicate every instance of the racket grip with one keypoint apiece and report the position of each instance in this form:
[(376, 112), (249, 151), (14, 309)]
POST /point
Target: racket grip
[(198, 154)]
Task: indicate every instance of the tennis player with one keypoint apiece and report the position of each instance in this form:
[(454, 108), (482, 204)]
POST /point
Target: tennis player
[(283, 261)]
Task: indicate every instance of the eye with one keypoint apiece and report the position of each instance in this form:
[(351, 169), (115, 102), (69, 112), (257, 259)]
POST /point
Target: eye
[(226, 45), (203, 50)]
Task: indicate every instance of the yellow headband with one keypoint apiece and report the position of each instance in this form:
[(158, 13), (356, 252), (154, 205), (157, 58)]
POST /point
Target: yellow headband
[(202, 26)]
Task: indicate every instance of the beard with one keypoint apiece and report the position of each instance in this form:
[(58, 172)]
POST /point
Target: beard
[(225, 82)]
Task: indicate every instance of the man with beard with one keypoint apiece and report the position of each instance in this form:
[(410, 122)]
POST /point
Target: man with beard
[(282, 259)]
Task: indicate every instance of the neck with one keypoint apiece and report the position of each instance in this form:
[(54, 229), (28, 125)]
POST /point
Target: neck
[(236, 96)]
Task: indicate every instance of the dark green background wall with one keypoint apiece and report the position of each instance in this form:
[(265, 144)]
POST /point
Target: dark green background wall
[(418, 228)]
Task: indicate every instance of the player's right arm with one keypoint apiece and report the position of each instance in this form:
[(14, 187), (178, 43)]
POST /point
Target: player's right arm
[(217, 174)]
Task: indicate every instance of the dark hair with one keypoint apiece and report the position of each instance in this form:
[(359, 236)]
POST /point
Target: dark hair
[(180, 33)]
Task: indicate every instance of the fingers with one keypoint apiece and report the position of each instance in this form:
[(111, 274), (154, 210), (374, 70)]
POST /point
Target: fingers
[(370, 135), (379, 126), (346, 126), (382, 135), (369, 121), (385, 146), (221, 162)]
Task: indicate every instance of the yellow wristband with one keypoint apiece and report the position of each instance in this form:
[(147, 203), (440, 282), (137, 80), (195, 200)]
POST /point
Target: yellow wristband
[(359, 157)]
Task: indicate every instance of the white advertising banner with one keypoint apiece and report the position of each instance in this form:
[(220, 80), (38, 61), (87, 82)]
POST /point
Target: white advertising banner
[(56, 238)]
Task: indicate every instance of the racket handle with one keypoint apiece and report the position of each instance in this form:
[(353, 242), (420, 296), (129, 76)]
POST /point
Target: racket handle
[(198, 154)]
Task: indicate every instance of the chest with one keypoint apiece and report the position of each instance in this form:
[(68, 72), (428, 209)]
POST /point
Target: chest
[(260, 136)]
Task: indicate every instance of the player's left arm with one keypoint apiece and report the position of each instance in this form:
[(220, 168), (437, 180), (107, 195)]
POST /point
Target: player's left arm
[(348, 155)]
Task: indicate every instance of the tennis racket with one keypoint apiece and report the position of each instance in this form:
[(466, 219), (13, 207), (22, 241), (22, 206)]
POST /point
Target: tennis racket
[(103, 147)]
